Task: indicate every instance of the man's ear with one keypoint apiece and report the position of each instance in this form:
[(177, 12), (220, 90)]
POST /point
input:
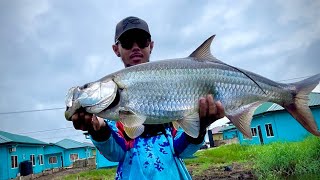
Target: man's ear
[(116, 50), (151, 46)]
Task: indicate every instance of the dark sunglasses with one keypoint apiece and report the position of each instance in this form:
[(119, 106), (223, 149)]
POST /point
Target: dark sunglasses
[(127, 43)]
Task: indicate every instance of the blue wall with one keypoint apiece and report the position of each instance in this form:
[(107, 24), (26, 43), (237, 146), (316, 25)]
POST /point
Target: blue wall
[(23, 153), (53, 165), (285, 127), (4, 168), (230, 134), (82, 154)]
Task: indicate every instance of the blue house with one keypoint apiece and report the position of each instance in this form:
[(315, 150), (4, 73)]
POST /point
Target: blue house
[(15, 149), (68, 151), (272, 122), (229, 132)]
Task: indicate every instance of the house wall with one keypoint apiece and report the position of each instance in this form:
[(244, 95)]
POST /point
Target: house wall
[(230, 134), (54, 165), (23, 153), (217, 136), (82, 154), (285, 127), (4, 169), (53, 150)]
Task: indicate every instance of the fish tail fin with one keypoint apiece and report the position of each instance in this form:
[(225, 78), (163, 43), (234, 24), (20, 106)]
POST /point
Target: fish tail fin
[(299, 108)]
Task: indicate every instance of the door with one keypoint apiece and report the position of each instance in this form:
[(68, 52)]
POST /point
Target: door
[(260, 134), (61, 161)]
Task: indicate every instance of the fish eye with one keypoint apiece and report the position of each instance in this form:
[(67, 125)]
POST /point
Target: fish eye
[(84, 86)]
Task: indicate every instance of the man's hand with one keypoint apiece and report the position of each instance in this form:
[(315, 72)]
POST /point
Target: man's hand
[(209, 111), (96, 126)]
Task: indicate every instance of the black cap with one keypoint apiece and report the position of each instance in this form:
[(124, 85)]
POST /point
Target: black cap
[(129, 23)]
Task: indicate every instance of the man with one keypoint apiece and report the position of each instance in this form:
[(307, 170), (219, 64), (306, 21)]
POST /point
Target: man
[(158, 152)]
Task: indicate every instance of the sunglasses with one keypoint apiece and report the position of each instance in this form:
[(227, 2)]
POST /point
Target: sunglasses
[(127, 43)]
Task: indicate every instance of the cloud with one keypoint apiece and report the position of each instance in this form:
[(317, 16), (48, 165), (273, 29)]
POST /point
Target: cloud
[(46, 47)]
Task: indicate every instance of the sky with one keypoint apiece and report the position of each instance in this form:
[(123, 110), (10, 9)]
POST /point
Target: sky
[(48, 46)]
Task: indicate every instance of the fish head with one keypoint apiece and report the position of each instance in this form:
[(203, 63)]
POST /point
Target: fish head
[(93, 97)]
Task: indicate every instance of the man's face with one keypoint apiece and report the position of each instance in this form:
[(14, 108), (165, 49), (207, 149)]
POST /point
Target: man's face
[(134, 47)]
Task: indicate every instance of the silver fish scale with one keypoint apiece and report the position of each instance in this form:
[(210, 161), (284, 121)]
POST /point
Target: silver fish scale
[(172, 88)]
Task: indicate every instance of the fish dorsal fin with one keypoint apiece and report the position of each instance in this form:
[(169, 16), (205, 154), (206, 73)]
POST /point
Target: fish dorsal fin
[(242, 117), (203, 51)]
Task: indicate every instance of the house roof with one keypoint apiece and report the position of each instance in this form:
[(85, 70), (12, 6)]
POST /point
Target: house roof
[(314, 100), (6, 137), (71, 144), (228, 128), (217, 130)]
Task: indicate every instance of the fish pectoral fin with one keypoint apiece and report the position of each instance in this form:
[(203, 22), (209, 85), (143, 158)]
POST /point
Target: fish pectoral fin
[(175, 124), (242, 117), (190, 124), (135, 131), (131, 119)]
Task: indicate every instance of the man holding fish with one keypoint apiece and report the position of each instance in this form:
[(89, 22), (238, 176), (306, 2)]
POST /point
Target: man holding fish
[(148, 151)]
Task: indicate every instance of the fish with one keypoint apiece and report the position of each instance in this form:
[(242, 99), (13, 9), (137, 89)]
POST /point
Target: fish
[(169, 90)]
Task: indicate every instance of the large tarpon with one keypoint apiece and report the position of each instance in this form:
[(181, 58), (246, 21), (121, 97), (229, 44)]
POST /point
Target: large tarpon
[(168, 91)]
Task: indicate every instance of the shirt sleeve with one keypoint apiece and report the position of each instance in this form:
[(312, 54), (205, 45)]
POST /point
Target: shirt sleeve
[(114, 148), (182, 147)]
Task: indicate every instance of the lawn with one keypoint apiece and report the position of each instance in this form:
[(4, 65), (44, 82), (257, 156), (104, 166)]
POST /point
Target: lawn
[(265, 162)]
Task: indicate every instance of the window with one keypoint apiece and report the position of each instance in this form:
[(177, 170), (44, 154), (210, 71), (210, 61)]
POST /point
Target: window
[(53, 160), (269, 130), (74, 157), (32, 160), (14, 161), (40, 159), (254, 132)]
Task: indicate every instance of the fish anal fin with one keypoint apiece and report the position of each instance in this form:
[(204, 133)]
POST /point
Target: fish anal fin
[(131, 119), (190, 124), (242, 117), (134, 132)]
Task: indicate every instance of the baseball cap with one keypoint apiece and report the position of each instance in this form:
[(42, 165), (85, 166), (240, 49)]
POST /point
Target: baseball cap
[(129, 23)]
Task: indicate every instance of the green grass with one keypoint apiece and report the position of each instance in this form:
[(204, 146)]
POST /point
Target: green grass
[(93, 174), (288, 159), (267, 162)]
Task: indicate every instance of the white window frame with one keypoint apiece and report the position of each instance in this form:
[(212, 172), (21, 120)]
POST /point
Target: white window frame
[(32, 159), (15, 162), (53, 157), (70, 157), (40, 159), (268, 130), (254, 129)]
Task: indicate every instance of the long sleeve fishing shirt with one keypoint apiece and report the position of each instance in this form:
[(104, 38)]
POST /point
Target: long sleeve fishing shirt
[(156, 157)]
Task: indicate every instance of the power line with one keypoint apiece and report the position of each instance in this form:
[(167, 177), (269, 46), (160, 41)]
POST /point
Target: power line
[(294, 78), (28, 111), (57, 129)]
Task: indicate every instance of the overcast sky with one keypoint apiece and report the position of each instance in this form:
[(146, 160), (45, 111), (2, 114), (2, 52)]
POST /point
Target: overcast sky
[(47, 46)]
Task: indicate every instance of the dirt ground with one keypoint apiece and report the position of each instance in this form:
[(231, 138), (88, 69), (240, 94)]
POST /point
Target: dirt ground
[(60, 174), (234, 171)]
